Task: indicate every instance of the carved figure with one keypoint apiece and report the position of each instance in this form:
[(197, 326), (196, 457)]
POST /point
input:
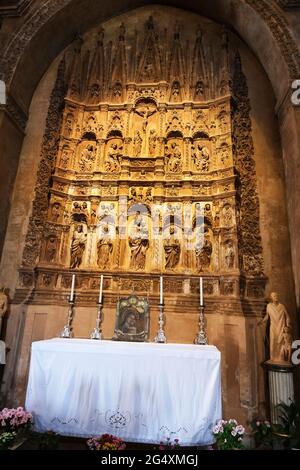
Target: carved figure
[(137, 144), (173, 155), (78, 246), (152, 143), (203, 254), (229, 255), (172, 250), (87, 158), (201, 157), (114, 155), (104, 248), (139, 245), (280, 331)]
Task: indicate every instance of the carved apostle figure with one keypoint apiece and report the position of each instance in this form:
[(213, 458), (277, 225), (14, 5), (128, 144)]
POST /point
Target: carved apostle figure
[(78, 246), (51, 249), (87, 158), (104, 248), (172, 250), (280, 331), (173, 154), (227, 216), (137, 144), (203, 254), (201, 157), (64, 159), (152, 143), (55, 211), (3, 305), (114, 155), (139, 245), (229, 255)]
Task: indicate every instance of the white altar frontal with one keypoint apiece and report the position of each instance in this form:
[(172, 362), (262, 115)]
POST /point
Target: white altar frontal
[(140, 392)]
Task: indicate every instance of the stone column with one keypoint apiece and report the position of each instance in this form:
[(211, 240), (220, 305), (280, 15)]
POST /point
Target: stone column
[(281, 387)]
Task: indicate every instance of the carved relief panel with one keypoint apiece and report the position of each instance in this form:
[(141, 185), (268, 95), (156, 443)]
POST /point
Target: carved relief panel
[(147, 122)]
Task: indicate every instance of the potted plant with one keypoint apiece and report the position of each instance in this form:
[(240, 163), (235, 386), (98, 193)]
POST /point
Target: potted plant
[(169, 445), (262, 433), (15, 419), (7, 439), (229, 435), (106, 442), (289, 429)]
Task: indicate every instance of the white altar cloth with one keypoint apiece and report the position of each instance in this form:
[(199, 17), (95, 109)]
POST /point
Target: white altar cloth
[(140, 392)]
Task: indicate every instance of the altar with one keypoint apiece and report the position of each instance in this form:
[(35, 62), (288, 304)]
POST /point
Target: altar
[(140, 392)]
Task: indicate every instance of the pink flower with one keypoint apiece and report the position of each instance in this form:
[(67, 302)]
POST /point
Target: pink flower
[(240, 430)]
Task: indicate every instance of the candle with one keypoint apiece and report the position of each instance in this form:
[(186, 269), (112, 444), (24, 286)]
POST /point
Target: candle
[(161, 290), (72, 288), (201, 292), (101, 289)]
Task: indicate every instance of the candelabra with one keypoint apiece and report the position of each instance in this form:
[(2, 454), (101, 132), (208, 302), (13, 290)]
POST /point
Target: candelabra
[(97, 332), (161, 337), (201, 338), (67, 331)]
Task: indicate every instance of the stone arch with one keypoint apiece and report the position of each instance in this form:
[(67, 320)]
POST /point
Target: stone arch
[(282, 62)]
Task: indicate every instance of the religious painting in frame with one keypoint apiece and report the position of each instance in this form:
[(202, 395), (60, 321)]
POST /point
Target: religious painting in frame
[(132, 319)]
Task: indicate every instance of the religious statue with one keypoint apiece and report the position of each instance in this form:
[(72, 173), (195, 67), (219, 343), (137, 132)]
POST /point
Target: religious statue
[(139, 245), (152, 143), (3, 305), (64, 159), (280, 331), (137, 144), (176, 91), (201, 157), (203, 254), (55, 211), (199, 89), (173, 155), (229, 255), (69, 124), (172, 250), (227, 216), (114, 155), (87, 158), (104, 248), (78, 246), (51, 249)]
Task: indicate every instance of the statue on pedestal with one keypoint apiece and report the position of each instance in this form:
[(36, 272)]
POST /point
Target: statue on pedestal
[(280, 331)]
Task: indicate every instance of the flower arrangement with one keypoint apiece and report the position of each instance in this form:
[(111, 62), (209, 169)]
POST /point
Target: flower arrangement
[(168, 444), (228, 434), (106, 442), (15, 419), (7, 439), (262, 432)]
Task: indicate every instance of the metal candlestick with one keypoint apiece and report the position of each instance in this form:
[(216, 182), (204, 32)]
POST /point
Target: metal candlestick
[(97, 332), (161, 337), (67, 331), (201, 338)]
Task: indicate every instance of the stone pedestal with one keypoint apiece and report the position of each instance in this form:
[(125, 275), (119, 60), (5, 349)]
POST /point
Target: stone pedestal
[(281, 387)]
